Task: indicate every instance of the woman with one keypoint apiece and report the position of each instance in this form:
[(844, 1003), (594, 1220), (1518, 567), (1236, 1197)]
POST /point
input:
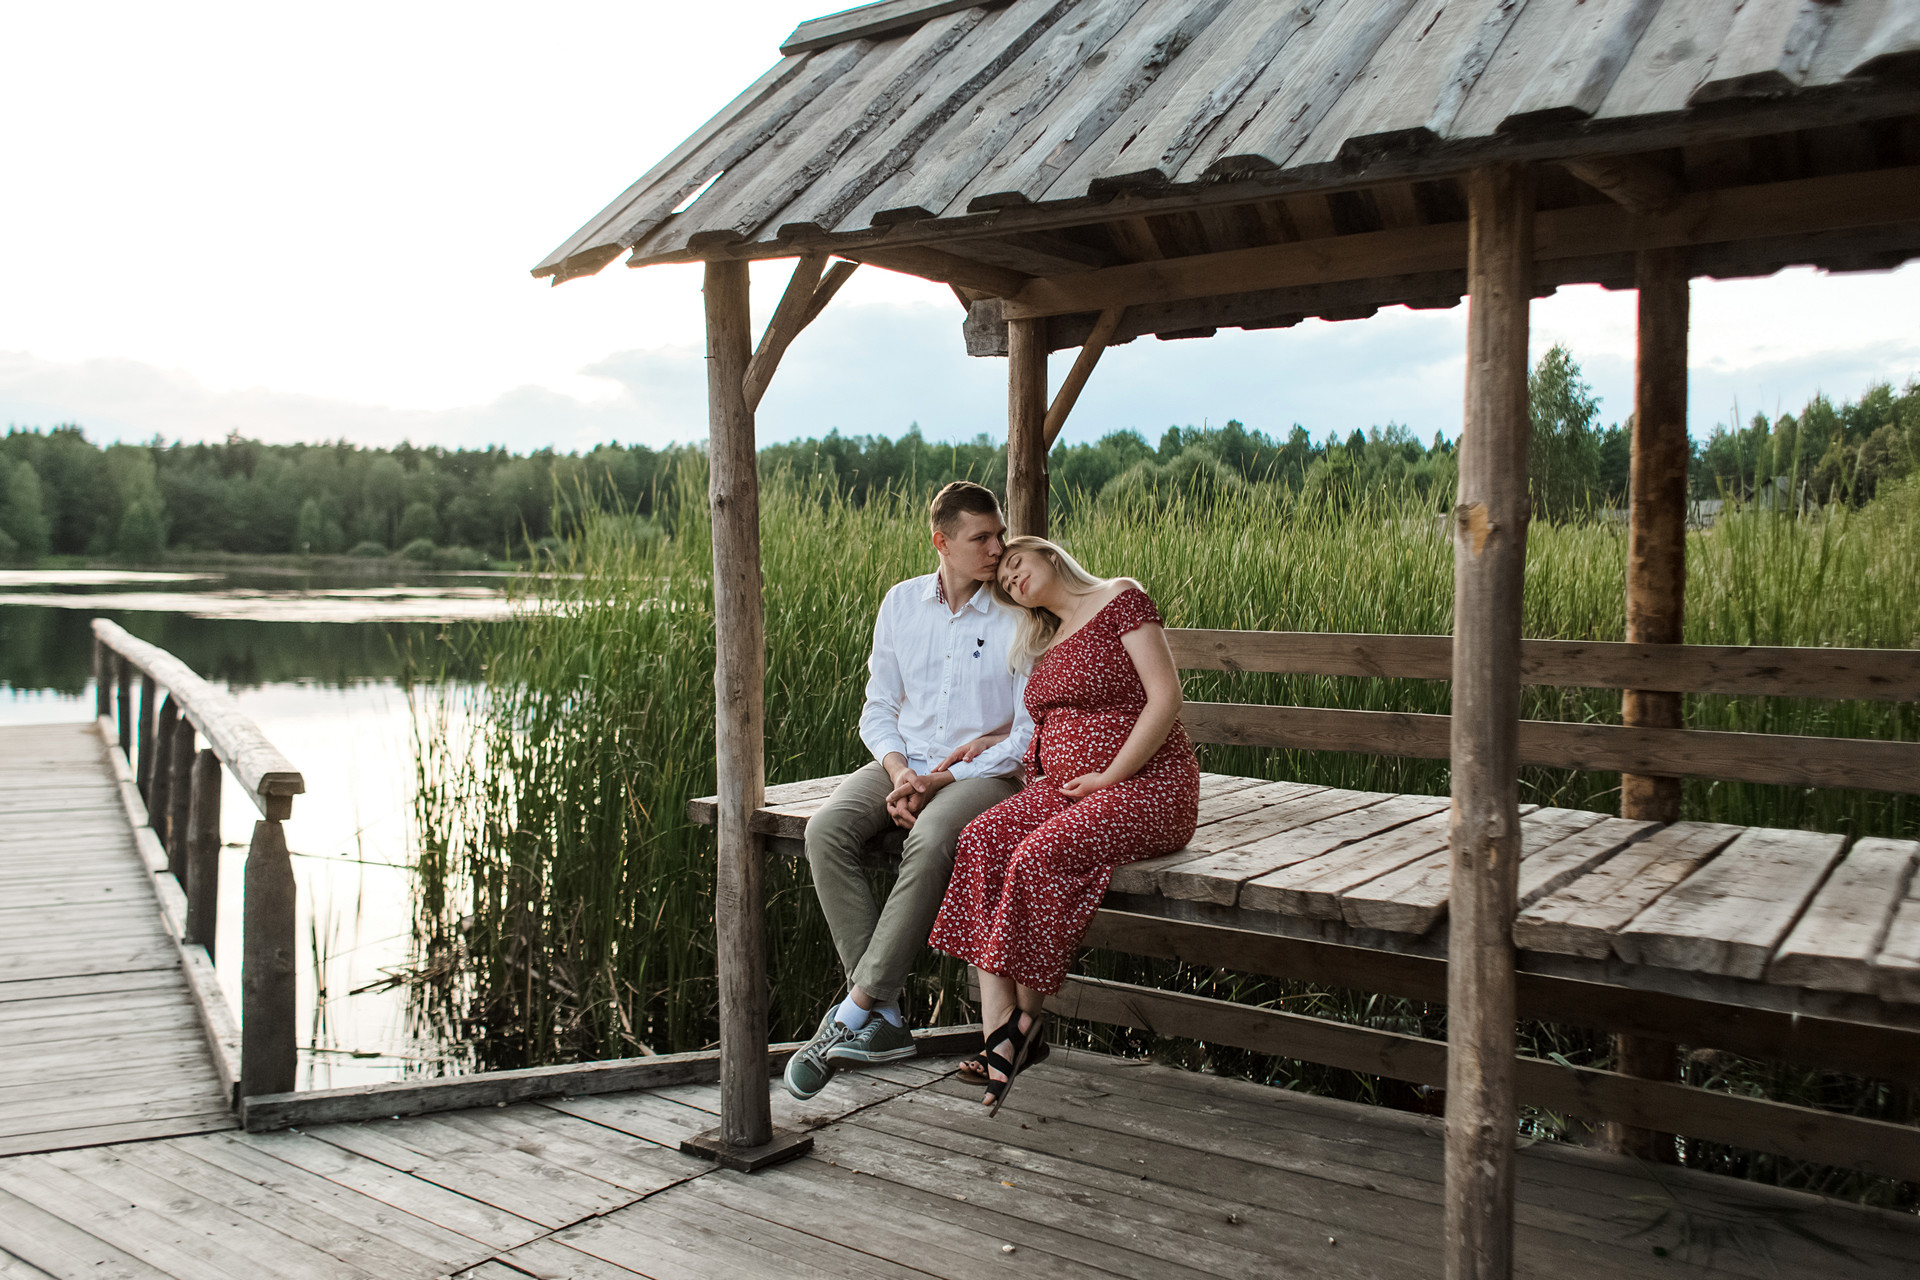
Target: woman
[(1111, 778)]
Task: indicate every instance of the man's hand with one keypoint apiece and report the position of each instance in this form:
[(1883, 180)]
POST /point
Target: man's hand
[(911, 791), (968, 751)]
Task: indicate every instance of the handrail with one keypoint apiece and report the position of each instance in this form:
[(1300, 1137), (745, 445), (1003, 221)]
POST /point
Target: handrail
[(175, 789), (1881, 675), (268, 778)]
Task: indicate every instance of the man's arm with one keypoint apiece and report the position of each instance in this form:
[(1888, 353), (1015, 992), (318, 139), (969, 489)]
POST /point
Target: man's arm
[(1004, 756), (886, 691)]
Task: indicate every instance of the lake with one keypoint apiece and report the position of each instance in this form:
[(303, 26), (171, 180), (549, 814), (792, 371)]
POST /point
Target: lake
[(318, 659)]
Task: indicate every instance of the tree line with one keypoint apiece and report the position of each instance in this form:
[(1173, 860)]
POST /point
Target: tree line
[(61, 494)]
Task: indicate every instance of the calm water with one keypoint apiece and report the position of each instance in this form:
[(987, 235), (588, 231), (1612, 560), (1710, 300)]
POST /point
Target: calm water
[(317, 661)]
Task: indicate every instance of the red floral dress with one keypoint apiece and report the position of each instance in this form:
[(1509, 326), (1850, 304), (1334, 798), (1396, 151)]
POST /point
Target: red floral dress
[(1029, 873)]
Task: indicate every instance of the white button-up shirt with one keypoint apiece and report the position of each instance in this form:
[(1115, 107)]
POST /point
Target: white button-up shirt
[(938, 679)]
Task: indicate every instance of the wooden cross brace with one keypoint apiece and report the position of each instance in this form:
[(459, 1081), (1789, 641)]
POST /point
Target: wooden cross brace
[(807, 295)]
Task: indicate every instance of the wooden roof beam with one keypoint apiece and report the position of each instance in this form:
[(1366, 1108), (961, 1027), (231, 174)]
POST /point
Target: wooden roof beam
[(1802, 207), (1633, 182), (873, 22), (806, 297), (947, 268)]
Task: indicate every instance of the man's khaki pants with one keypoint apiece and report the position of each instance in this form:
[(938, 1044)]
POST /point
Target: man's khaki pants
[(878, 945)]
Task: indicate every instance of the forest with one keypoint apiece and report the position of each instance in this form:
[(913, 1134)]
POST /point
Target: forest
[(63, 495)]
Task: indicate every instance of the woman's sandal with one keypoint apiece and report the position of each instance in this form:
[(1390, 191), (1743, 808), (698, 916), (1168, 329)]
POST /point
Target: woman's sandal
[(1020, 1043), (976, 1071)]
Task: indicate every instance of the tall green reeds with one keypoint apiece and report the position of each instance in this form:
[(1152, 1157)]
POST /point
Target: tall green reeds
[(566, 902)]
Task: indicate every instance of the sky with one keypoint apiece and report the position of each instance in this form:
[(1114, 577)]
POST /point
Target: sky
[(307, 224)]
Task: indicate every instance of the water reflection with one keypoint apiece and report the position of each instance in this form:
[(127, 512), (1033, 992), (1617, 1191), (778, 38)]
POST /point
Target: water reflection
[(319, 662)]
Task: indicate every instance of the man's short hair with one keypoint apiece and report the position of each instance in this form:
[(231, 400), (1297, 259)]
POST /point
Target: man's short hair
[(962, 497)]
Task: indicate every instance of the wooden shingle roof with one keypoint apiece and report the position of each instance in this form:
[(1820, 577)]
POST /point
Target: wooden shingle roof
[(900, 121)]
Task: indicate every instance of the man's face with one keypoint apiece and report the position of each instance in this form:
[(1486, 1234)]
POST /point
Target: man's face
[(973, 546)]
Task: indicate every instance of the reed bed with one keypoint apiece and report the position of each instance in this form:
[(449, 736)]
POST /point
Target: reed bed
[(565, 906)]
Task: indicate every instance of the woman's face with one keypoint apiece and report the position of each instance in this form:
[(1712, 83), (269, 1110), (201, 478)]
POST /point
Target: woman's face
[(1026, 577)]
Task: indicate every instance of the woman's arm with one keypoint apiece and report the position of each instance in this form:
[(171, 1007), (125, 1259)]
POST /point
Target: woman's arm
[(1147, 646)]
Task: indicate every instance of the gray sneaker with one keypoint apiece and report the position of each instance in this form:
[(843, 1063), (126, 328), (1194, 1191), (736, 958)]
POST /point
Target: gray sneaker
[(809, 1070), (878, 1041)]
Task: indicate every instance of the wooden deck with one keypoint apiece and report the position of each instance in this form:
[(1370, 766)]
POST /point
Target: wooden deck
[(1789, 921), (100, 1040), (1097, 1167)]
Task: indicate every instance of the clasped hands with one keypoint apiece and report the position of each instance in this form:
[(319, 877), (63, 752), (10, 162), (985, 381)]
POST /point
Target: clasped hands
[(911, 790)]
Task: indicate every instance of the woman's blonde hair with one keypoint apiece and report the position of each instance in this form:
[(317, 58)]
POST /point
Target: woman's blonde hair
[(1039, 626)]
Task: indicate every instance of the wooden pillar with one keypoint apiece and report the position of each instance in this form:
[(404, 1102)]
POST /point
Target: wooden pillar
[(268, 1049), (143, 762), (179, 800), (1489, 558), (102, 679), (1026, 427), (203, 851), (123, 671), (1656, 594), (739, 683), (160, 774)]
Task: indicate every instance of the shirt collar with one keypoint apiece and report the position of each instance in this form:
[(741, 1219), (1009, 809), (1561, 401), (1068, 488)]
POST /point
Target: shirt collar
[(936, 592)]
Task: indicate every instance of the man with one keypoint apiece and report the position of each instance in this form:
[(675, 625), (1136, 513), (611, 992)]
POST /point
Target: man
[(947, 731)]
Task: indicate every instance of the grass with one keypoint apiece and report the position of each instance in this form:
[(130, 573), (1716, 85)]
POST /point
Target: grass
[(566, 903)]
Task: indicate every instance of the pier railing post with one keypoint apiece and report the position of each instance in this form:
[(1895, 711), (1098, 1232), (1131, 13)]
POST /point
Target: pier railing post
[(179, 750), (268, 1048), (203, 850), (160, 776), (102, 680), (143, 762), (1489, 559), (123, 683)]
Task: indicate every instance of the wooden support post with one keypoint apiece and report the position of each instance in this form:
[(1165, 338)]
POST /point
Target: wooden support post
[(1656, 594), (179, 750), (203, 850), (160, 774), (745, 1137), (102, 680), (1489, 558), (1026, 427), (143, 767), (123, 671), (268, 1048)]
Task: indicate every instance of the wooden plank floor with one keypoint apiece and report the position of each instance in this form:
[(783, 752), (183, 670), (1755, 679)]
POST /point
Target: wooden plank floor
[(99, 1038), (1096, 1167), (1719, 905)]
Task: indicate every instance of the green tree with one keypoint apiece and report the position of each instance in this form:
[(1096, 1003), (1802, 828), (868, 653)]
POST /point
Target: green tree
[(419, 522), (23, 512), (1564, 465), (143, 531)]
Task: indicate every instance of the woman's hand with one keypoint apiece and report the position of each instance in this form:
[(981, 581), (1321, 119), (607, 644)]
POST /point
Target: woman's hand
[(1086, 784), (967, 751)]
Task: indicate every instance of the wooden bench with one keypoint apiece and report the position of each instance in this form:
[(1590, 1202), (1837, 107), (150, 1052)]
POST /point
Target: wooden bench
[(1791, 944)]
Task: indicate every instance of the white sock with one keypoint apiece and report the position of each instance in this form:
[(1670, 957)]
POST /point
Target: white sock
[(891, 1012), (851, 1015)]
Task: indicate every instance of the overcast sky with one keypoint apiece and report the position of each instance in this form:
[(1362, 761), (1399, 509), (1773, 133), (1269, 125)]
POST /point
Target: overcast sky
[(316, 223)]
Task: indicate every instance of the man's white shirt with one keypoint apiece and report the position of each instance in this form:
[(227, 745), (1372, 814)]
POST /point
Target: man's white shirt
[(937, 679)]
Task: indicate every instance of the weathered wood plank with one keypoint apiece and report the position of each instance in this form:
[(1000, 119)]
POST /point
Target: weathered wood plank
[(1295, 839), (1574, 80), (1414, 898), (49, 1240), (1315, 889), (1833, 946), (871, 22), (1768, 50), (1730, 915), (1896, 970), (1581, 918)]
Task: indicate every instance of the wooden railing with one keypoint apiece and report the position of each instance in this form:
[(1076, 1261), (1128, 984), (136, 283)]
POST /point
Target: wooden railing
[(180, 785), (1883, 675)]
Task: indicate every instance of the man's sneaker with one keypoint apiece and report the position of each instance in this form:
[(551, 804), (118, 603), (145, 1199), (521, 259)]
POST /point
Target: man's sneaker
[(809, 1070), (878, 1041)]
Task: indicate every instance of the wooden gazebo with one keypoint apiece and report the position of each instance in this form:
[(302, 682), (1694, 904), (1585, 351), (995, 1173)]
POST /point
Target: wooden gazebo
[(1087, 172)]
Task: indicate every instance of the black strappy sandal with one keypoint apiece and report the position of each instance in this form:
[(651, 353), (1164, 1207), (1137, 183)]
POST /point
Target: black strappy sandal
[(1019, 1043), (976, 1071)]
